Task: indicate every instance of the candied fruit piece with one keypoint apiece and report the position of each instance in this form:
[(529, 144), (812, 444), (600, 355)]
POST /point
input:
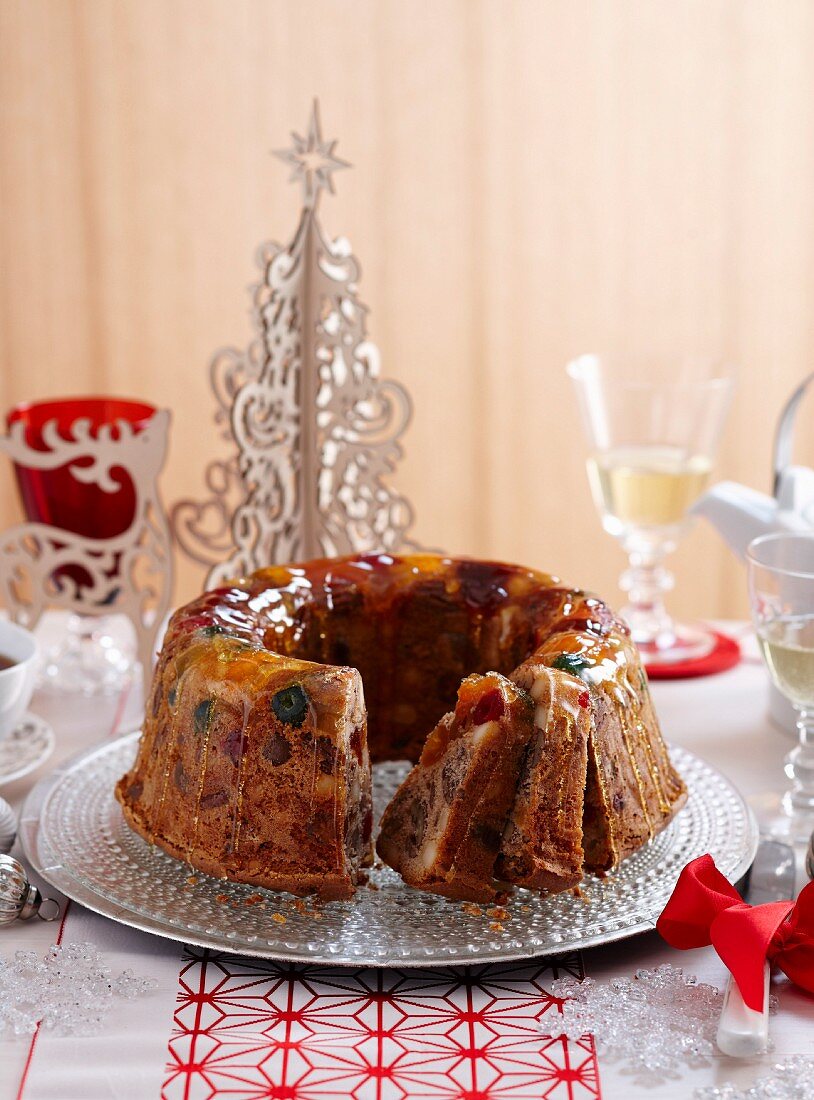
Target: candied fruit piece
[(180, 777), (584, 699), (211, 630), (215, 798), (277, 750), (482, 584), (575, 663), (488, 708), (233, 745), (202, 715), (356, 743), (290, 705)]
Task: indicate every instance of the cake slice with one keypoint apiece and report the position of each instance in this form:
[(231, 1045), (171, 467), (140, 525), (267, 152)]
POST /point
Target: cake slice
[(442, 830), (258, 769), (632, 789), (542, 840)]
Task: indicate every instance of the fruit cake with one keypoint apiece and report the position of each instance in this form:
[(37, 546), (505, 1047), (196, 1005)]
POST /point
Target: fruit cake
[(254, 765)]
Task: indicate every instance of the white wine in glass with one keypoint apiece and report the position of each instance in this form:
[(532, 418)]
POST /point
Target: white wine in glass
[(653, 428), (781, 595), (646, 486), (787, 645)]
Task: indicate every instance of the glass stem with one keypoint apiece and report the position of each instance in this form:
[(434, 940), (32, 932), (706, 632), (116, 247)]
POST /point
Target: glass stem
[(646, 581), (800, 765)]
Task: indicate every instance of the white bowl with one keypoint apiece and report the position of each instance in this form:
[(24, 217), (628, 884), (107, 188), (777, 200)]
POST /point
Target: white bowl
[(16, 682)]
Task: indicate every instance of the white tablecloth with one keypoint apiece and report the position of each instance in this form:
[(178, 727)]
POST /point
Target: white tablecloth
[(143, 1053)]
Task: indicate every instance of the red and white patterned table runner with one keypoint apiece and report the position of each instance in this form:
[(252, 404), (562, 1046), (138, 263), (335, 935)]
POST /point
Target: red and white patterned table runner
[(249, 1028)]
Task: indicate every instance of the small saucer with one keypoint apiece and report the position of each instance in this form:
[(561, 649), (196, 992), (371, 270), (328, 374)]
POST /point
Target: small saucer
[(25, 748)]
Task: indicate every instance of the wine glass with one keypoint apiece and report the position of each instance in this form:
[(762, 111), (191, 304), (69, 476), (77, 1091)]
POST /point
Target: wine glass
[(781, 595), (95, 655), (653, 429)]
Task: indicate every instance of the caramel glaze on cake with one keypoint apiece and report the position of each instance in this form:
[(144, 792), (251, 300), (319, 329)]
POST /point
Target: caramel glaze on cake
[(253, 762)]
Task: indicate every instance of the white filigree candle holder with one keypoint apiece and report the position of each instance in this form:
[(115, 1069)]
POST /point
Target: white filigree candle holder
[(44, 566), (316, 430)]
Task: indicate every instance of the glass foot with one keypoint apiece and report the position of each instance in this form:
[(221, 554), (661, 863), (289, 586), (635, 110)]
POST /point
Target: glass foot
[(680, 643), (778, 820), (93, 658)]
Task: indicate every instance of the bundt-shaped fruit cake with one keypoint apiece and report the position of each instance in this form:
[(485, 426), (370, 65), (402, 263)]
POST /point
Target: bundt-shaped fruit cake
[(253, 763)]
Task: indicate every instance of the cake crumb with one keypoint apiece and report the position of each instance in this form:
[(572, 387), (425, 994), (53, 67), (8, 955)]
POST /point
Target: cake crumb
[(525, 908), (253, 899), (495, 926), (191, 879), (300, 905), (315, 913), (472, 909), (278, 918), (373, 886), (221, 898), (497, 912)]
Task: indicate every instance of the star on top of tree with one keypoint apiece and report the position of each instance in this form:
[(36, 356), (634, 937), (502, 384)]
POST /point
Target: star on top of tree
[(312, 160)]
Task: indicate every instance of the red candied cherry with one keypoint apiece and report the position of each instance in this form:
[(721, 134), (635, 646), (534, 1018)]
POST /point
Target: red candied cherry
[(488, 708), (584, 700), (195, 622)]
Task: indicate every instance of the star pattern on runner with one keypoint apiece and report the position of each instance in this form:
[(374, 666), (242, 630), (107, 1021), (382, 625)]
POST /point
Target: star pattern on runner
[(260, 1030)]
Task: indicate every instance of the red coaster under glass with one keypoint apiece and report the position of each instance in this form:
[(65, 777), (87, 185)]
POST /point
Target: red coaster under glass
[(724, 654)]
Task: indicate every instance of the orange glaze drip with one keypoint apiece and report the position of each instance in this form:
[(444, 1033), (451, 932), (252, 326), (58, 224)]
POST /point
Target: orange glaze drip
[(241, 778), (634, 765), (655, 770), (197, 816)]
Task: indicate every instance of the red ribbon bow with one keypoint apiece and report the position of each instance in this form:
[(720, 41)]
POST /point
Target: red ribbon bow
[(705, 909)]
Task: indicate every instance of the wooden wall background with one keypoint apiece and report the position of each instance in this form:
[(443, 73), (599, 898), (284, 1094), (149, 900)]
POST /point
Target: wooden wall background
[(533, 178)]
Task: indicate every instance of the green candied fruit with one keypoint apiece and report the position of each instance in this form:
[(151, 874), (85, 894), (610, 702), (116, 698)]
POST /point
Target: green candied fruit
[(172, 695), (290, 705), (210, 631), (643, 682), (202, 715), (575, 663)]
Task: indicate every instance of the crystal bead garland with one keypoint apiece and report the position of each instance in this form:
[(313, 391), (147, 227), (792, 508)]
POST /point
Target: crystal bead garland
[(791, 1079), (653, 1025), (69, 991)]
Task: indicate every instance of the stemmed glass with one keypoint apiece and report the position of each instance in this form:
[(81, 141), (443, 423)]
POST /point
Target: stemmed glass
[(653, 429), (94, 656), (781, 595)]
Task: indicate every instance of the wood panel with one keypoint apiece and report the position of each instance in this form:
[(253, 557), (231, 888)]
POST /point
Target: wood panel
[(533, 178)]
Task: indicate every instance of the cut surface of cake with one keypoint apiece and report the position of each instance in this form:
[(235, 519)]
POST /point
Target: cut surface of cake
[(541, 847), (273, 692), (443, 828)]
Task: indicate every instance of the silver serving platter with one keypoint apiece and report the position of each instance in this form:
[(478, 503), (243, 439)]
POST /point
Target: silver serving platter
[(75, 837)]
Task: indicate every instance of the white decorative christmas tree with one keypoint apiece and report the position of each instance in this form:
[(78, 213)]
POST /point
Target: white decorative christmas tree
[(317, 431)]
